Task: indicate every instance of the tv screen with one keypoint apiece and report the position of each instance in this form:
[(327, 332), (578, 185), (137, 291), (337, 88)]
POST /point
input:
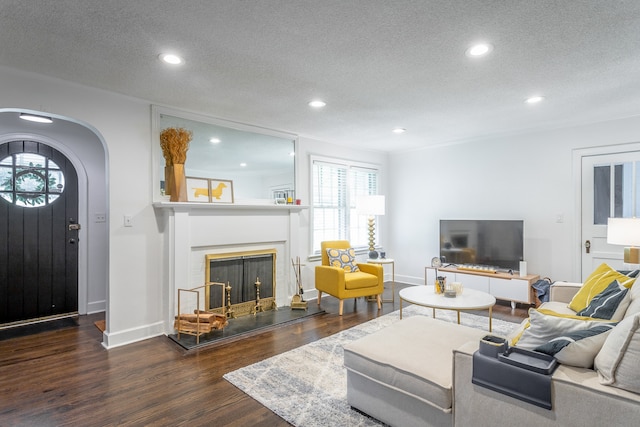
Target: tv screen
[(492, 243)]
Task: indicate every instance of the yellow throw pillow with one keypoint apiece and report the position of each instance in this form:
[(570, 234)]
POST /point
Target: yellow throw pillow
[(597, 282)]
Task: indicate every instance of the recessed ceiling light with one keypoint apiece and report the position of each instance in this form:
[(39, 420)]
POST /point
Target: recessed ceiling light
[(534, 99), (399, 130), (35, 118), (214, 140), (243, 164), (172, 59), (479, 49), (317, 103), (292, 154)]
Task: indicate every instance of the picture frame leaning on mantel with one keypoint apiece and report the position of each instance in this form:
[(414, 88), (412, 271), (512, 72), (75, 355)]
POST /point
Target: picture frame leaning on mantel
[(209, 190)]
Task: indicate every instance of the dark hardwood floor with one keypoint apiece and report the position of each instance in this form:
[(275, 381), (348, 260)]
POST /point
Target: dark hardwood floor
[(64, 377)]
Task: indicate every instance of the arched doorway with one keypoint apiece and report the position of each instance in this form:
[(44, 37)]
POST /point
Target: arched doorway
[(86, 151)]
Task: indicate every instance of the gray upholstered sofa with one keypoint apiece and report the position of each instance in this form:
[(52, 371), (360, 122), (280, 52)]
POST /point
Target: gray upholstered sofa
[(418, 372)]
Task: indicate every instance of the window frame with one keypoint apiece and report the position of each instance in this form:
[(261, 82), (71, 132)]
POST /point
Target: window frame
[(362, 227)]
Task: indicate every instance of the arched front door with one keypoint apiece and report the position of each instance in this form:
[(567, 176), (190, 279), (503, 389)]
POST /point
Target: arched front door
[(38, 233)]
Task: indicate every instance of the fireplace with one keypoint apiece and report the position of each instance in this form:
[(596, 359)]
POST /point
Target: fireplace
[(195, 230), (250, 278)]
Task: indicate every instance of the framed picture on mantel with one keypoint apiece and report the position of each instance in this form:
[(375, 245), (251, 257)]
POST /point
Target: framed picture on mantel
[(221, 190), (198, 190)]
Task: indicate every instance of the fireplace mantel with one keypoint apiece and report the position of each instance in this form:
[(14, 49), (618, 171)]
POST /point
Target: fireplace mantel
[(193, 229), (187, 206)]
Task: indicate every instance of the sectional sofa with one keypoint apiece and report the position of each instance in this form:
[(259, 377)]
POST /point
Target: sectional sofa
[(418, 371)]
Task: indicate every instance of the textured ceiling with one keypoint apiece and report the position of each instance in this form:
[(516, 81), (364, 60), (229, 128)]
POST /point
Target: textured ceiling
[(377, 63)]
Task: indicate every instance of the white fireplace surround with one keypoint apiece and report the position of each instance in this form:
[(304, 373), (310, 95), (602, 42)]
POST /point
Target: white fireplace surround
[(193, 230)]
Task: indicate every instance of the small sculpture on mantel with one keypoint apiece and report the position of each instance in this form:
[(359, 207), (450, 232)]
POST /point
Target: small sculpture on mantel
[(297, 301)]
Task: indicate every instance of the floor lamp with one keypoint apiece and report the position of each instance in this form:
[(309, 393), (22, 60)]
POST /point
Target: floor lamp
[(371, 206), (625, 231)]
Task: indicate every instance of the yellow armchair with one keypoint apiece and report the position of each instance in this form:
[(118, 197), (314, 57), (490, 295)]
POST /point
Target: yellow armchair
[(342, 285)]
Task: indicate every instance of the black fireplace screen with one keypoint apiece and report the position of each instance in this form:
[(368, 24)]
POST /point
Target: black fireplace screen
[(241, 272)]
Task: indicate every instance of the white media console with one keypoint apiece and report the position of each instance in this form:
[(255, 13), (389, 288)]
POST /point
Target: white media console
[(503, 286)]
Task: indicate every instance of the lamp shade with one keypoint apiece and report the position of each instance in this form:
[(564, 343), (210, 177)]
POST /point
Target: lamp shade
[(370, 205), (623, 231)]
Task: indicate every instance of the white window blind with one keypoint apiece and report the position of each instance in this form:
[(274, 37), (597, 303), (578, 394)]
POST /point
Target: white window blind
[(335, 188)]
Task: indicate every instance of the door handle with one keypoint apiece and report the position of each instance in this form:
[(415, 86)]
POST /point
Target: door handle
[(72, 241), (587, 246), (74, 227)]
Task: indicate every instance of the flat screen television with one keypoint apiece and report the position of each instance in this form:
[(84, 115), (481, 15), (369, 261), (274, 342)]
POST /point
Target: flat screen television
[(491, 243)]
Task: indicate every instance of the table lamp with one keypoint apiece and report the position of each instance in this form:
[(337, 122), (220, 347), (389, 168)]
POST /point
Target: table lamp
[(371, 206), (625, 231)]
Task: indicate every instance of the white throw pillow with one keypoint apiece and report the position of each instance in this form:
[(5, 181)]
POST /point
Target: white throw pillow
[(545, 325), (619, 359), (578, 348)]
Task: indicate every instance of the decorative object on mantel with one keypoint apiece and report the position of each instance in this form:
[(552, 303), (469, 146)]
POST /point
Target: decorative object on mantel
[(297, 301), (198, 190), (221, 190), (175, 143)]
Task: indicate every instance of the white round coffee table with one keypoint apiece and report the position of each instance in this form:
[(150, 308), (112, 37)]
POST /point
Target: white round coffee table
[(425, 296)]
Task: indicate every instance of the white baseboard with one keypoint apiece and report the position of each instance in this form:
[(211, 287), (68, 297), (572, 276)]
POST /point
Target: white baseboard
[(117, 339), (96, 307), (409, 280)]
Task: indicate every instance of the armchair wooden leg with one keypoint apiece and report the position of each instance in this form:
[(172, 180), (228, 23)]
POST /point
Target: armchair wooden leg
[(379, 299), (319, 296), (341, 306)]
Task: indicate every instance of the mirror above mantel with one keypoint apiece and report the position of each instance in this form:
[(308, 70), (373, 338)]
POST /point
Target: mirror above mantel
[(260, 162)]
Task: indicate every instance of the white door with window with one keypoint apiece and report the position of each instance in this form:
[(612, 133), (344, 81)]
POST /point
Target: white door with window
[(610, 189)]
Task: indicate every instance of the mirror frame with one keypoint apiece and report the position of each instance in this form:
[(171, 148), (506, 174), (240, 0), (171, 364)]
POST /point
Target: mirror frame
[(156, 151)]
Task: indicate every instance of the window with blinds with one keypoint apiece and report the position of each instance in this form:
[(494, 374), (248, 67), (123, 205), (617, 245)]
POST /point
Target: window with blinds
[(336, 185)]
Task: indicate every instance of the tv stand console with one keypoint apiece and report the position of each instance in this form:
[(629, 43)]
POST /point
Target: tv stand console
[(503, 286)]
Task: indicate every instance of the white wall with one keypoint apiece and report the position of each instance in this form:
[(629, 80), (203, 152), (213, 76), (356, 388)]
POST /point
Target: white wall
[(526, 177)]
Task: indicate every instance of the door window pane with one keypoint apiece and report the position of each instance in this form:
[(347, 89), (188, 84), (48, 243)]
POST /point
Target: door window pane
[(601, 194), (616, 187), (56, 181), (6, 179), (27, 179)]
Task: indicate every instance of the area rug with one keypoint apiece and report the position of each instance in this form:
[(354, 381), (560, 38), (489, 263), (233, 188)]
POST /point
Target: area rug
[(307, 386)]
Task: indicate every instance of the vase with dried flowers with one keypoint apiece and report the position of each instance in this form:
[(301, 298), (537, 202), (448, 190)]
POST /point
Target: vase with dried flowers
[(175, 143)]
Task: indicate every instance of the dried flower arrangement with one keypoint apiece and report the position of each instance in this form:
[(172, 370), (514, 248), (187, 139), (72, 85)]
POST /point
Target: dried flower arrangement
[(175, 143)]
